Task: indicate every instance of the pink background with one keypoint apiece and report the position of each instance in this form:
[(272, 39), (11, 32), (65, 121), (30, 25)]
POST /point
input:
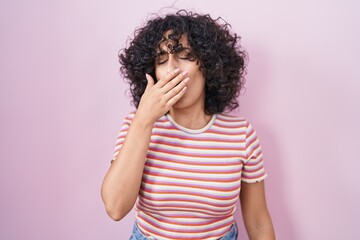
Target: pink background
[(63, 100)]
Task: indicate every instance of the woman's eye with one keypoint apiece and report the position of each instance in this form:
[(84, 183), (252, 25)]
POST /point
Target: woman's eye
[(183, 54), (162, 58)]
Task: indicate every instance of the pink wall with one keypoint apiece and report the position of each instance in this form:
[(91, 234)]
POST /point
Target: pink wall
[(62, 102)]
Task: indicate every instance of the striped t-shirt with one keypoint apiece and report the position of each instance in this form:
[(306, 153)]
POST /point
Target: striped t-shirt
[(192, 178)]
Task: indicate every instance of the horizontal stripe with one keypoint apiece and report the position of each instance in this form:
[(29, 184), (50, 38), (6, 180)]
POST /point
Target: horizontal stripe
[(217, 195), (186, 222), (188, 206), (171, 200), (181, 211), (156, 169), (218, 178), (156, 160), (212, 146), (193, 214), (166, 180), (215, 154), (196, 186)]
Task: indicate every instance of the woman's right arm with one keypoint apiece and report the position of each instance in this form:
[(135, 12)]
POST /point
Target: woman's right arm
[(122, 182)]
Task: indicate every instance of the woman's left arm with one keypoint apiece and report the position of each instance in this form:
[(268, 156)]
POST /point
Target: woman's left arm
[(256, 216)]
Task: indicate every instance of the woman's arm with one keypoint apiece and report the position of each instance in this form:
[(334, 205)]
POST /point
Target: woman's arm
[(122, 182), (256, 216)]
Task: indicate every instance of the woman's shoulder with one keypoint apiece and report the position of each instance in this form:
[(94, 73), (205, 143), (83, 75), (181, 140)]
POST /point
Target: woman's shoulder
[(228, 118)]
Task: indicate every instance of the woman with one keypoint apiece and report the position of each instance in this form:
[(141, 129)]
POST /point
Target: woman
[(179, 155)]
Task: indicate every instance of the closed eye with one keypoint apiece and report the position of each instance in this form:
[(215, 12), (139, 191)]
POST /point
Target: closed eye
[(162, 58), (184, 54)]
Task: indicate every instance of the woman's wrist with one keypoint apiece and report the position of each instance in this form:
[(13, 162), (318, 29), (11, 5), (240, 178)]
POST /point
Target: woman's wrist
[(143, 122)]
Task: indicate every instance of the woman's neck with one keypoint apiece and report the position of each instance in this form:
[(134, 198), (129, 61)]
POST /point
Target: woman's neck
[(190, 119)]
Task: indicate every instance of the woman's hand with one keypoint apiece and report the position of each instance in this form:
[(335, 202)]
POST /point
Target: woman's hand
[(160, 97)]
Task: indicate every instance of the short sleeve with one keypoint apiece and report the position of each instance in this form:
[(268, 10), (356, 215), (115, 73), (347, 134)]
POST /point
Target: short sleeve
[(253, 168), (121, 135)]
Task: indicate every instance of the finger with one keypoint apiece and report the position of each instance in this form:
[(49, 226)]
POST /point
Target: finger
[(150, 81), (177, 97), (174, 82), (168, 77), (174, 91)]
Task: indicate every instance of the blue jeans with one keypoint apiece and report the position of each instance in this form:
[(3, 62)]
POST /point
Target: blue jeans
[(138, 235)]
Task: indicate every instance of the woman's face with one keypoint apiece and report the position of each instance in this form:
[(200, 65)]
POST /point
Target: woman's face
[(169, 60)]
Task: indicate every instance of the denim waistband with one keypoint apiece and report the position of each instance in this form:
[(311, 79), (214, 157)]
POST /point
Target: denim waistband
[(138, 235)]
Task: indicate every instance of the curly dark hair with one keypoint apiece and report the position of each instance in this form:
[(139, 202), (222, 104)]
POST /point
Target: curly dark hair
[(222, 60)]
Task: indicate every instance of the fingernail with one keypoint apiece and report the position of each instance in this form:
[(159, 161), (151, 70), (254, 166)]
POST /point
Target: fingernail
[(186, 80), (176, 70), (184, 73)]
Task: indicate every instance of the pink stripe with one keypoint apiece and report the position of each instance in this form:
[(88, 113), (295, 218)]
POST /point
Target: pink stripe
[(232, 126), (188, 170), (188, 154), (230, 163), (252, 162), (142, 206), (185, 202), (188, 193), (213, 131), (255, 176), (247, 171), (253, 149), (203, 139), (185, 208), (191, 185), (153, 172), (194, 146)]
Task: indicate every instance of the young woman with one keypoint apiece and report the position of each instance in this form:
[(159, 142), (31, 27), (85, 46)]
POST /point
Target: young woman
[(179, 158)]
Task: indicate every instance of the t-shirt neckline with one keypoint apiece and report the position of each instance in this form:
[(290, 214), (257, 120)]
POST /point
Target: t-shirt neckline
[(192, 131)]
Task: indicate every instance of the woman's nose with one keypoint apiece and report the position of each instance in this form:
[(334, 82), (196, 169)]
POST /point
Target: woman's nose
[(172, 63)]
